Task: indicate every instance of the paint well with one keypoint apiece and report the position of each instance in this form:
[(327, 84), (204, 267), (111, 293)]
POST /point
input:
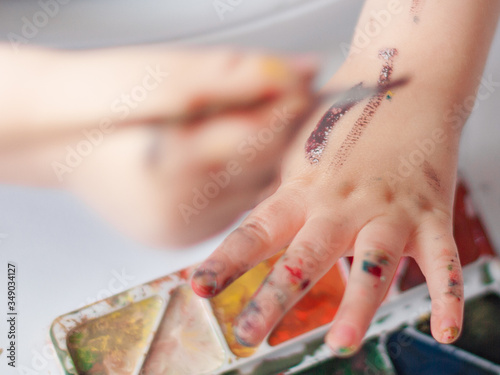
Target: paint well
[(186, 343), (481, 329), (116, 343), (316, 308), (231, 302), (369, 360), (412, 356)]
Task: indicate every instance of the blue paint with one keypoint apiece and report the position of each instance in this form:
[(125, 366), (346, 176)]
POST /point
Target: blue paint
[(412, 356)]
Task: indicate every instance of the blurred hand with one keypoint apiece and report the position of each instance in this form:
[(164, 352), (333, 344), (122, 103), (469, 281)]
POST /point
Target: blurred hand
[(170, 146)]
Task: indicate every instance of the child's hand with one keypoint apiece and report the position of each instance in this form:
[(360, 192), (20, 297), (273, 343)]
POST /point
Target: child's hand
[(379, 186), (374, 179)]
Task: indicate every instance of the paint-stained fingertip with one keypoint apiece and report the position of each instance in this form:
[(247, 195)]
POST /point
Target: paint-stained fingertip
[(240, 340), (449, 331), (204, 283), (342, 340)]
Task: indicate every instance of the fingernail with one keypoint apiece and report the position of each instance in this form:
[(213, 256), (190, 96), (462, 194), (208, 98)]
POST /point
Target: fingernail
[(248, 326), (204, 283), (449, 331), (343, 339)]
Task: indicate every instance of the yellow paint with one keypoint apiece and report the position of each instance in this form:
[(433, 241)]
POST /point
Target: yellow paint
[(231, 302), (274, 68), (450, 334)]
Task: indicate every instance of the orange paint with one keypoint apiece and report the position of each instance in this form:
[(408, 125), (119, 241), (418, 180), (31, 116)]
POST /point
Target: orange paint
[(317, 308)]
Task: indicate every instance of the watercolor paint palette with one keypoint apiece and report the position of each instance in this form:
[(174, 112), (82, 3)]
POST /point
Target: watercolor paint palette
[(163, 328), (399, 340)]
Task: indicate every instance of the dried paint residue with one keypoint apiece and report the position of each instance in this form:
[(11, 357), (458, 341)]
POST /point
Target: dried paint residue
[(369, 360), (186, 343), (117, 342), (372, 268), (231, 302), (374, 262), (416, 8), (317, 308)]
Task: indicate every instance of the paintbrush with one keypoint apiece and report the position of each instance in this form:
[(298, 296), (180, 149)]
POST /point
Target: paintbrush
[(339, 97)]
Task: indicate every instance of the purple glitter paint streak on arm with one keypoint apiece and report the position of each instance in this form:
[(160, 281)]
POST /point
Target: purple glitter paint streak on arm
[(368, 112), (317, 141)]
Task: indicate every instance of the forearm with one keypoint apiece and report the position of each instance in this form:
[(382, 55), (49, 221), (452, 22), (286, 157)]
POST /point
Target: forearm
[(48, 92), (442, 46)]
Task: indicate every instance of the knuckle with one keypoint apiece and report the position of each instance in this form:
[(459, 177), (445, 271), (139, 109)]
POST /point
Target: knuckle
[(255, 232)]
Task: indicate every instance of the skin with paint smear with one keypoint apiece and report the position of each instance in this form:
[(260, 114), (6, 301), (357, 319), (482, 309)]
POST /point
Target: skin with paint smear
[(114, 344), (185, 344), (318, 139), (357, 130), (385, 179)]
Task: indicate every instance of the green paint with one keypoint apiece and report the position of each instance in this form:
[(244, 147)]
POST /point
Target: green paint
[(116, 342), (450, 267), (383, 318), (486, 277), (345, 350), (369, 360), (278, 365)]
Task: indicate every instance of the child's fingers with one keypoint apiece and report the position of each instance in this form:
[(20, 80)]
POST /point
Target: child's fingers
[(437, 257), (377, 251), (312, 253), (270, 227)]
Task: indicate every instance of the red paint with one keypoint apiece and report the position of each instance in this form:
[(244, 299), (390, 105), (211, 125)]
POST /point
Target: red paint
[(372, 269), (454, 278), (294, 272), (305, 284), (205, 291)]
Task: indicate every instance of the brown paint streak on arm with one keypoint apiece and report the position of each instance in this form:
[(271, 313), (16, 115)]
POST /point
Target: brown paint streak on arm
[(431, 176)]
